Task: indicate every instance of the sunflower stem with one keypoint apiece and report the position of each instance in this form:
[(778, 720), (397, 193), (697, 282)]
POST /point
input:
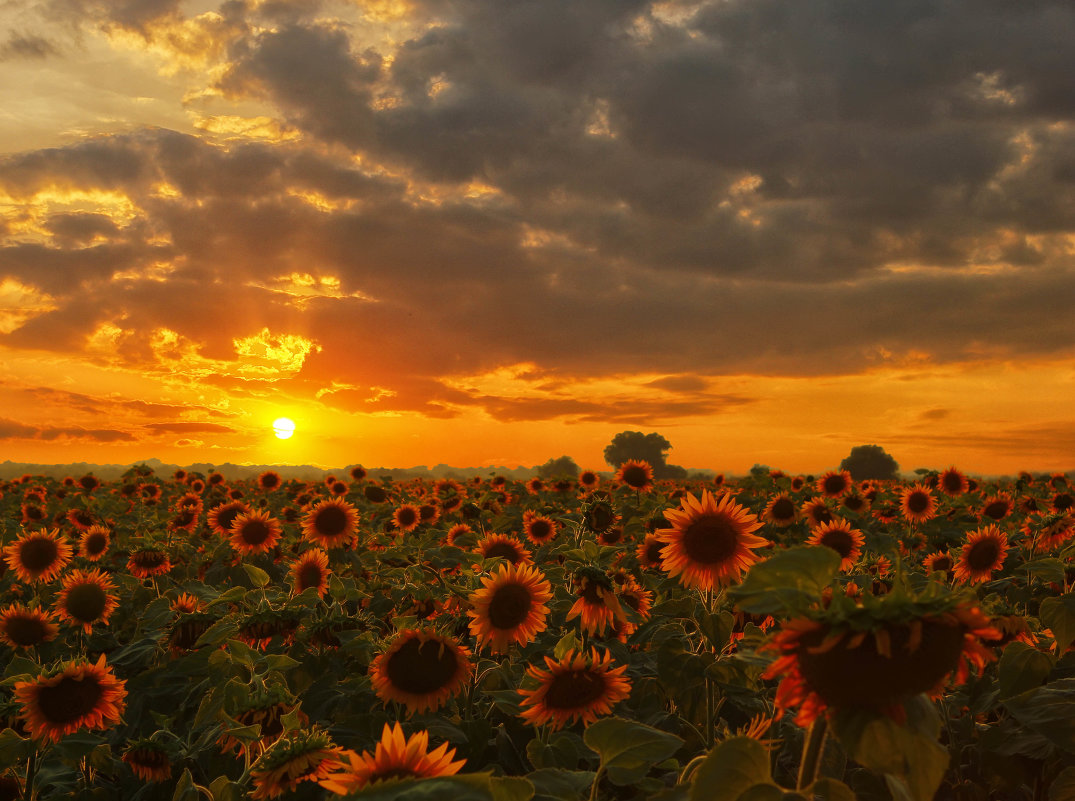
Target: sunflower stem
[(710, 723), (813, 745), (596, 781)]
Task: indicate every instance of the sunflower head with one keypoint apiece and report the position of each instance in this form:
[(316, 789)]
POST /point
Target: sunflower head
[(21, 627), (70, 697), (577, 687), (421, 669), (330, 523), (149, 760), (301, 756), (38, 556), (510, 607), (636, 474)]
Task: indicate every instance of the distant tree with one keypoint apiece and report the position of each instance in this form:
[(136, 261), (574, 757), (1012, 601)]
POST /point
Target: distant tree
[(562, 467), (652, 448), (870, 463)]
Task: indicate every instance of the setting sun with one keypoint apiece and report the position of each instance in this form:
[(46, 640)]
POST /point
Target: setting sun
[(283, 427)]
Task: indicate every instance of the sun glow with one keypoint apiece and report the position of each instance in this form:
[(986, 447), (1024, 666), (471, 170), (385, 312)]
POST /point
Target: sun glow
[(283, 427)]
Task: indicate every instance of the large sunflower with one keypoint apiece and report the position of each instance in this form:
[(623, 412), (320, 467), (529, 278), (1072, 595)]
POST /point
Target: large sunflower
[(254, 532), (843, 539), (835, 483), (597, 604), (82, 695), (421, 670), (94, 542), (917, 503), (86, 598), (952, 482), (38, 555), (577, 687), (780, 510), (330, 523), (505, 547), (540, 529), (311, 570), (220, 517), (636, 474), (510, 607), (826, 664), (710, 541), (982, 553), (21, 627), (406, 517), (395, 757)]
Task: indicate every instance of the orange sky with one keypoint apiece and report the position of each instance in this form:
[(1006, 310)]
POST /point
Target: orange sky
[(457, 233)]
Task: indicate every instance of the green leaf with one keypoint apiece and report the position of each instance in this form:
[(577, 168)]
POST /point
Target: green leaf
[(832, 790), (224, 789), (717, 628), (1063, 786), (466, 787), (628, 750), (788, 582), (910, 757), (185, 789), (560, 785), (1047, 568), (257, 576), (1059, 615), (1022, 668), (1049, 711), (731, 768), (566, 643)]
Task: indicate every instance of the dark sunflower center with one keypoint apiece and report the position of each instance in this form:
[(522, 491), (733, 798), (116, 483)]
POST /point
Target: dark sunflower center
[(406, 517), (227, 517), (85, 602), (576, 689), (24, 630), (635, 476), (612, 535), (854, 502), (427, 511), (331, 521), (255, 532), (821, 514), (834, 485), (592, 593), (839, 540), (783, 509), (983, 554), (917, 502), (95, 543), (268, 482), (952, 482), (309, 576), (653, 551), (69, 700), (88, 482), (422, 667), (33, 513), (540, 529), (39, 554), (83, 519), (1063, 501), (509, 606), (505, 550), (149, 560), (149, 758), (375, 494), (711, 539), (942, 563)]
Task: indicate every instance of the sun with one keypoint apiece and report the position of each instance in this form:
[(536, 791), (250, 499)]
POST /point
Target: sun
[(283, 427)]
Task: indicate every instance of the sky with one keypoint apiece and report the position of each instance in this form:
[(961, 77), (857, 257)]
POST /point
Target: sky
[(484, 233)]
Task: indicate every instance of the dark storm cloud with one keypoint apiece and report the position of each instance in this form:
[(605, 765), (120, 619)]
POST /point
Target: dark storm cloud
[(766, 186)]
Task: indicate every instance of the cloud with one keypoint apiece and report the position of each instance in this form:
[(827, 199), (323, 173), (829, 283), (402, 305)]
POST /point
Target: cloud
[(14, 430), (189, 428), (26, 46)]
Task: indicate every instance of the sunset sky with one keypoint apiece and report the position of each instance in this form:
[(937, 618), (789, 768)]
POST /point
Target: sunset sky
[(490, 233)]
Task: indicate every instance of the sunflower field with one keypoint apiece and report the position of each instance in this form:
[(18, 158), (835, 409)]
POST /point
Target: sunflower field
[(770, 637)]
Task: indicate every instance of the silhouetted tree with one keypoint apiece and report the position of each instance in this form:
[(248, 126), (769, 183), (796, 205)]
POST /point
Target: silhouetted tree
[(559, 468), (870, 463), (650, 448)]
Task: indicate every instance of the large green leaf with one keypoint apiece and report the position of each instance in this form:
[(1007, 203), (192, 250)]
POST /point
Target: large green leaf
[(1022, 668), (467, 787), (788, 582), (628, 750), (731, 768), (560, 785), (1049, 711), (1063, 786), (1059, 615)]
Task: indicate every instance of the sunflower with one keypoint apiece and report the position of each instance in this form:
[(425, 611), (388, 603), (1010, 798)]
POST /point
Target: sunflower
[(577, 687), (81, 695), (406, 517), (843, 539), (269, 480), (855, 503), (89, 483), (710, 542), (952, 482), (264, 707), (510, 607), (330, 523), (780, 511), (374, 494), (1062, 502), (539, 528), (460, 535), (503, 546), (639, 600), (421, 670), (302, 756), (221, 517), (1050, 530), (939, 561), (997, 507), (827, 664), (917, 504), (597, 604), (834, 483), (648, 552), (254, 532), (186, 604), (80, 519), (149, 760), (816, 511), (86, 598), (187, 630), (21, 627), (983, 552), (535, 485), (38, 555), (395, 757), (636, 474), (311, 570), (588, 479), (428, 514), (148, 562), (32, 514), (94, 542)]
